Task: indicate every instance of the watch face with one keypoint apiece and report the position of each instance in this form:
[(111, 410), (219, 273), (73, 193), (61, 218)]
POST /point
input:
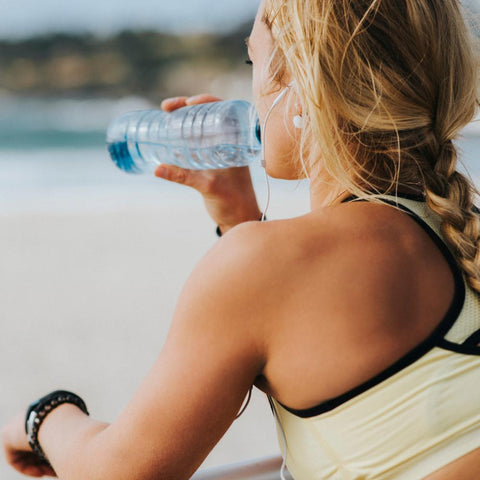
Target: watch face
[(30, 424)]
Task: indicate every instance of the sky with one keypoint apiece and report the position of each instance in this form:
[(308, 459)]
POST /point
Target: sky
[(25, 18)]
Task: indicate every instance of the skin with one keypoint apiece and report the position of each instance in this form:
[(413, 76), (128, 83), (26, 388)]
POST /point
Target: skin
[(299, 272)]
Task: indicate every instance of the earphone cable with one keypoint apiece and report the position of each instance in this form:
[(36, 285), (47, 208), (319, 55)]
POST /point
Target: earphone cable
[(267, 205), (263, 162)]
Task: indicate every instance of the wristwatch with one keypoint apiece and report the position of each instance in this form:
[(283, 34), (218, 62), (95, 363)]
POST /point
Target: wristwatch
[(39, 410)]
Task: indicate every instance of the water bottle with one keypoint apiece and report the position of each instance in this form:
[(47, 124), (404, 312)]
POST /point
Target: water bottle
[(205, 136)]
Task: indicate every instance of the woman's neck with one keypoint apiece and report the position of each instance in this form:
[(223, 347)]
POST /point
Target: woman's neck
[(323, 195)]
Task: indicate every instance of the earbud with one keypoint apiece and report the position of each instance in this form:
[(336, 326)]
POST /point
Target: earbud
[(298, 121)]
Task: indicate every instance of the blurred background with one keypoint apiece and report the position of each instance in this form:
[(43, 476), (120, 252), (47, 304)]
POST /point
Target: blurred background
[(92, 260)]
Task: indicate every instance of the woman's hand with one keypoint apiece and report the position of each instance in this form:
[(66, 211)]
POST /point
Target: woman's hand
[(228, 192), (18, 452)]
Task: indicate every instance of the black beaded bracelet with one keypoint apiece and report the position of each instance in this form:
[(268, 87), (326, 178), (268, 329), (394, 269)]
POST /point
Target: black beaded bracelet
[(219, 232), (38, 411)]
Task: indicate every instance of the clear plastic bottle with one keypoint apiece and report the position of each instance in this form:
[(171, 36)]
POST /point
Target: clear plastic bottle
[(205, 136)]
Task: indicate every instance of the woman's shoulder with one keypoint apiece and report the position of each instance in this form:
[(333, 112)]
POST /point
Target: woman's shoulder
[(346, 235), (364, 248), (352, 262), (323, 232)]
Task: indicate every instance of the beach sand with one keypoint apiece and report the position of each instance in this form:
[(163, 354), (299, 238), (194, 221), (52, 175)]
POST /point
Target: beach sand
[(86, 299)]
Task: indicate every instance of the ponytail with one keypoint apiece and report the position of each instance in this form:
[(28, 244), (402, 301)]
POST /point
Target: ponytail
[(450, 194)]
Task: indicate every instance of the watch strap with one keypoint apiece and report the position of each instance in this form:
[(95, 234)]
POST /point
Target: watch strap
[(39, 410)]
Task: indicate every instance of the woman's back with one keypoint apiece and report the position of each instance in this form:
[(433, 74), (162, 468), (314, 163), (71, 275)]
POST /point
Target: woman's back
[(364, 286)]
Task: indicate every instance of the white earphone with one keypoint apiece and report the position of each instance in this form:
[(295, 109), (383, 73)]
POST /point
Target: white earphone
[(281, 95), (298, 123), (297, 120)]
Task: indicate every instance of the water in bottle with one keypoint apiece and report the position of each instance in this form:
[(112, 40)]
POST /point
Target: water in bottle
[(205, 136)]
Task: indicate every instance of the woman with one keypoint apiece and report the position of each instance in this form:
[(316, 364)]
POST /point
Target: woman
[(360, 319)]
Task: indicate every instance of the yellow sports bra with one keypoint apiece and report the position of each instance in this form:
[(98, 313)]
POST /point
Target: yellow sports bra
[(416, 416)]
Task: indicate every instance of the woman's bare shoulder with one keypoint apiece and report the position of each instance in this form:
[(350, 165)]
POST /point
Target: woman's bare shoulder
[(263, 264), (340, 230), (338, 246), (322, 232)]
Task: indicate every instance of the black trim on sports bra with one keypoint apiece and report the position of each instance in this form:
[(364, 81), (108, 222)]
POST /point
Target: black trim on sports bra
[(408, 196), (473, 340), (436, 338), (459, 347)]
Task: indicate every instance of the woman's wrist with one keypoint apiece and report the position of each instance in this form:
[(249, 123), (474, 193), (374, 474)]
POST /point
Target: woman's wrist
[(39, 410)]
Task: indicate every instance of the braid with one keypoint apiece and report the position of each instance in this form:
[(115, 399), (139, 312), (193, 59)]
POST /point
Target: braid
[(450, 195)]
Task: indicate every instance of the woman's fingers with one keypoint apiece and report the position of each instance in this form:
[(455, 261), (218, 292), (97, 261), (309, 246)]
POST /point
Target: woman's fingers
[(202, 98), (176, 174), (170, 104), (205, 182), (29, 464)]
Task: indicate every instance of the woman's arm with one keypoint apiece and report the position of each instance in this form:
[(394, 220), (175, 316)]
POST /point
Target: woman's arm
[(213, 353)]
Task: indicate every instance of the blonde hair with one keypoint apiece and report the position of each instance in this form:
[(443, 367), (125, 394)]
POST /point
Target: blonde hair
[(385, 86)]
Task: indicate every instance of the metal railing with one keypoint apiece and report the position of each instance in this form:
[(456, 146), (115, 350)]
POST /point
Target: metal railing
[(261, 469)]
